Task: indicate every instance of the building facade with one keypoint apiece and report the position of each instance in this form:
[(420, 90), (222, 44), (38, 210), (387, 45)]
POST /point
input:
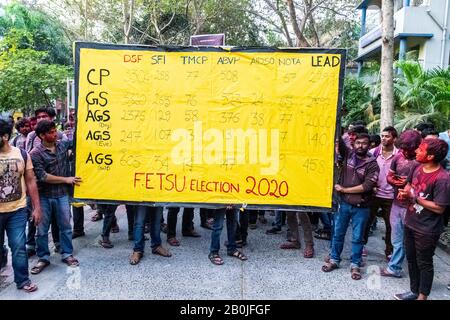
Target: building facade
[(421, 26)]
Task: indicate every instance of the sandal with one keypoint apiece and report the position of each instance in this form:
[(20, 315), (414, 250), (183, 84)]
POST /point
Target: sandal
[(356, 273), (136, 257), (238, 254), (41, 265), (215, 259), (308, 252), (106, 243), (29, 287), (173, 242), (71, 261), (290, 245), (160, 250), (329, 266)]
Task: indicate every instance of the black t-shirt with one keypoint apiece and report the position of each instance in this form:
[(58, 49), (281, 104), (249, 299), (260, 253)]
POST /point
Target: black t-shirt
[(434, 186)]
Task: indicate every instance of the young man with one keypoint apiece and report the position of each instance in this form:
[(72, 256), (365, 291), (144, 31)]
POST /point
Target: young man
[(51, 166), (353, 133), (16, 177), (187, 226), (427, 193), (23, 129), (293, 242), (219, 216), (42, 114), (401, 167), (155, 213), (33, 141), (359, 176), (384, 195)]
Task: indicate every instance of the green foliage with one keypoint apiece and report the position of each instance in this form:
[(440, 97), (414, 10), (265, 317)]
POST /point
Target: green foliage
[(47, 35), (26, 81), (424, 96), (420, 96), (356, 97)]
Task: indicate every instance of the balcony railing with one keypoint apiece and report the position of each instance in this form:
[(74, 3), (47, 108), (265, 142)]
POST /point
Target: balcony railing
[(370, 37)]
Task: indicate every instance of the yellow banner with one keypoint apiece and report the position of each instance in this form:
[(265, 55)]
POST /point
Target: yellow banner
[(206, 125)]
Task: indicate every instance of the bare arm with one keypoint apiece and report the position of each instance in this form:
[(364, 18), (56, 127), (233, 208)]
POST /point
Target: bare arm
[(49, 178), (30, 181), (356, 189), (430, 205)]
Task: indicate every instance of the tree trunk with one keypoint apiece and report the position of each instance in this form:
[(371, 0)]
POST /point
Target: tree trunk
[(301, 40), (128, 8), (387, 61)]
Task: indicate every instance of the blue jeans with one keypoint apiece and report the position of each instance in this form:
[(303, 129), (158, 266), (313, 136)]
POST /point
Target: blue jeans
[(62, 208), (397, 220), (219, 216), (359, 217), (14, 223), (108, 211), (325, 217), (155, 227)]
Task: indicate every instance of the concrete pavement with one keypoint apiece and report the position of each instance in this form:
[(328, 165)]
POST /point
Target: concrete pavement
[(270, 273)]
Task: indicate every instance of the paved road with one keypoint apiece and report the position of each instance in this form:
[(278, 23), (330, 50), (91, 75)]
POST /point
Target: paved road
[(270, 273)]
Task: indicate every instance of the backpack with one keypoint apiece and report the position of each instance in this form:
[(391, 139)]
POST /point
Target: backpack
[(24, 156)]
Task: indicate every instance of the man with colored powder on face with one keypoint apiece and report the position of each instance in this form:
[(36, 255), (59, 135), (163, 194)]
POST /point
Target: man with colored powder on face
[(427, 193), (401, 167)]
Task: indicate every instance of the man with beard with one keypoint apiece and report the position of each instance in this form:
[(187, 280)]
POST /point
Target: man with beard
[(359, 175), (427, 194), (384, 195)]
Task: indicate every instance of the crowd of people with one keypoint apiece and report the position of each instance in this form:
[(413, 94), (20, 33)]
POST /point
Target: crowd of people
[(402, 178)]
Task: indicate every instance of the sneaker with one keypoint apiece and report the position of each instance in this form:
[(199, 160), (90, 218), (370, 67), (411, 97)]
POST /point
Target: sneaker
[(406, 296), (274, 230)]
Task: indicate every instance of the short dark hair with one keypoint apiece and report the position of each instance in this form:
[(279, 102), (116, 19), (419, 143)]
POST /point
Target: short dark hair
[(437, 148), (359, 123), (391, 130), (21, 123), (44, 127), (358, 129), (429, 131), (376, 139), (362, 135), (50, 111), (5, 128), (409, 140), (424, 125)]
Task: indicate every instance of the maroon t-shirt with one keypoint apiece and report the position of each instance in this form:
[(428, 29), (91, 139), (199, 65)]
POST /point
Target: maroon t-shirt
[(434, 186), (403, 167)]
